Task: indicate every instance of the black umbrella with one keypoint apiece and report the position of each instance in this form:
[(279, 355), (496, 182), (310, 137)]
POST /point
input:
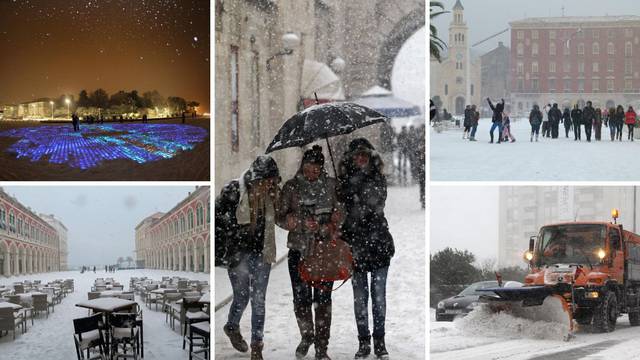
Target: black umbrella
[(322, 121)]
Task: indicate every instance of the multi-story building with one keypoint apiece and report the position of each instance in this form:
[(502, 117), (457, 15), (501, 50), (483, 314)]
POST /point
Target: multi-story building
[(524, 209), (455, 82), (178, 239), (28, 244), (63, 252), (569, 60)]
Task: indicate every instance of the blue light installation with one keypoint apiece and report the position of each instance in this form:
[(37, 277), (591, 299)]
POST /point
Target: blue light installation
[(97, 143)]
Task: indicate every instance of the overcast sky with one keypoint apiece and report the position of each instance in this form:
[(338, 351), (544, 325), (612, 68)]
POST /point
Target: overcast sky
[(101, 220), (465, 217), (487, 17)]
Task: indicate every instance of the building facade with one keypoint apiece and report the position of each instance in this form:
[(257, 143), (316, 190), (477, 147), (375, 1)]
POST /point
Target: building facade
[(28, 244), (63, 252), (178, 240), (569, 60), (456, 81), (495, 70), (524, 209)]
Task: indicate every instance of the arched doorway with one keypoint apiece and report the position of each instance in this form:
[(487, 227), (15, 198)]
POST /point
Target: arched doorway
[(459, 109)]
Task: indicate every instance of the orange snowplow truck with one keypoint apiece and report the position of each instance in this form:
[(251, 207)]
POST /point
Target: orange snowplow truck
[(583, 271)]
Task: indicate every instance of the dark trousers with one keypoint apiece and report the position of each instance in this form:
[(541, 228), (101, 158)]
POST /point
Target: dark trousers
[(619, 127), (496, 125), (597, 128), (577, 132), (587, 130), (630, 135), (303, 293), (546, 129), (554, 130), (612, 131), (361, 289), (535, 129), (567, 129)]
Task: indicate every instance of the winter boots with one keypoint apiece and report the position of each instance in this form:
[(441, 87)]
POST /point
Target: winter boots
[(305, 324), (364, 349), (323, 331), (256, 351), (379, 348), (237, 341)]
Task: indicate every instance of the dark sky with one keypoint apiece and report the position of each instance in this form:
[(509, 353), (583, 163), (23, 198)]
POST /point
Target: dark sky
[(56, 47)]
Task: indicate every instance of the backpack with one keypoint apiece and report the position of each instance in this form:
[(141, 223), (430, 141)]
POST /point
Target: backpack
[(228, 234)]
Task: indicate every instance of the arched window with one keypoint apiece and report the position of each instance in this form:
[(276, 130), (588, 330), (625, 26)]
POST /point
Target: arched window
[(199, 215), (190, 219), (520, 49), (182, 224), (12, 222), (611, 50), (595, 49), (3, 218)]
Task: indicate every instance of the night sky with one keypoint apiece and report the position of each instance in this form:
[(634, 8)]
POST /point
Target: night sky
[(56, 47)]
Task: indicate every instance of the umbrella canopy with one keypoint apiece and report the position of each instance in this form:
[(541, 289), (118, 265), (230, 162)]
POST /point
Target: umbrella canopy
[(323, 121), (319, 80), (382, 100)]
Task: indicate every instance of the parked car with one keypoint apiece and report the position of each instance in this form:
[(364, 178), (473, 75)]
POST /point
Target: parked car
[(467, 300)]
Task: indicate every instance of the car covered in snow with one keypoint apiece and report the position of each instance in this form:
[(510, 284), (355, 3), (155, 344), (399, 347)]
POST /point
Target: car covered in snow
[(466, 300)]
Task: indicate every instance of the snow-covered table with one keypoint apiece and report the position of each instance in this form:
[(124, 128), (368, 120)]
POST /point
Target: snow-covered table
[(107, 304), (205, 299), (15, 307)]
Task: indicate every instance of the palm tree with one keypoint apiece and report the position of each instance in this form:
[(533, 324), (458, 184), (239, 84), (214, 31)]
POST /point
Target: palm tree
[(436, 44)]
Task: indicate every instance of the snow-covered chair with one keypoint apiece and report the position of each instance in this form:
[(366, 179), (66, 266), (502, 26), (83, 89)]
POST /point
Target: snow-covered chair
[(9, 321), (40, 303), (87, 336), (191, 313), (125, 335)]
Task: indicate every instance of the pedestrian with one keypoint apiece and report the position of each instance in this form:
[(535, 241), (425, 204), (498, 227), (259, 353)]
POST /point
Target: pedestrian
[(475, 119), (105, 268), (144, 119), (403, 155), (588, 117), (496, 119), (94, 269), (387, 136), (412, 149), (620, 119), (363, 191), (183, 117), (535, 120), (566, 119), (309, 210), (546, 129), (253, 232), (555, 115), (630, 120), (597, 125), (611, 119), (576, 119), (467, 122), (506, 126)]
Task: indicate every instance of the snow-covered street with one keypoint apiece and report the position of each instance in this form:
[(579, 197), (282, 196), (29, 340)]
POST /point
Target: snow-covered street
[(52, 338), (405, 326), (562, 159), (451, 340)]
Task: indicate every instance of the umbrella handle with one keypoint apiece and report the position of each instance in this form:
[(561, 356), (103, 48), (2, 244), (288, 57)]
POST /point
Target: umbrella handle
[(333, 164)]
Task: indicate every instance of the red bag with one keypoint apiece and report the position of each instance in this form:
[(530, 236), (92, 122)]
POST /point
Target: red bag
[(327, 261)]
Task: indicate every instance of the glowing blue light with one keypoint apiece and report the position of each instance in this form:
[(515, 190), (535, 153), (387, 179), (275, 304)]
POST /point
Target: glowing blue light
[(97, 143)]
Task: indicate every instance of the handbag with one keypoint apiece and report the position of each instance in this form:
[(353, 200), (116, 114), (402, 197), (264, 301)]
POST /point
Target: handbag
[(328, 260)]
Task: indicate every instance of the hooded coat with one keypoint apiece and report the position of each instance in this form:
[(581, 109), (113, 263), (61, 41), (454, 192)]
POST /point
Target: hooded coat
[(535, 117), (566, 118), (364, 192)]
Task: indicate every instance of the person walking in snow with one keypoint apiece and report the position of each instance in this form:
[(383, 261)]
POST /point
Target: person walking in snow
[(588, 117), (309, 191), (576, 119), (496, 119), (254, 250), (535, 120), (566, 119), (597, 125), (611, 122), (506, 128), (546, 129), (555, 115), (403, 155), (620, 119), (467, 122), (363, 191), (630, 120), (475, 119)]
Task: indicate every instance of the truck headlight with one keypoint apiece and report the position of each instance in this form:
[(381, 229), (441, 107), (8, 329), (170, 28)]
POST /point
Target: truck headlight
[(440, 305), (591, 295)]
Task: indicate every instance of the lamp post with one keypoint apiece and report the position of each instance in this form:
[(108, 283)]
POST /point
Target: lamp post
[(290, 41), (67, 101), (51, 103)]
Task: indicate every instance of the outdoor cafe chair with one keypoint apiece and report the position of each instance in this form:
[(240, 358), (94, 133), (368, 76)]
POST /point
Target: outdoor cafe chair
[(87, 336), (199, 341), (14, 299), (100, 288), (18, 288), (9, 321), (40, 303), (117, 287), (191, 313), (52, 296), (125, 335), (127, 296), (170, 306)]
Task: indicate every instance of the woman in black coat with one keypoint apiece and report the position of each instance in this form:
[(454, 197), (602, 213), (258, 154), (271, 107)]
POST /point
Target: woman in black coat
[(363, 191), (566, 119)]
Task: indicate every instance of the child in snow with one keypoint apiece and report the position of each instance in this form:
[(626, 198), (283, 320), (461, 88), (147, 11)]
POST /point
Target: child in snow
[(506, 126)]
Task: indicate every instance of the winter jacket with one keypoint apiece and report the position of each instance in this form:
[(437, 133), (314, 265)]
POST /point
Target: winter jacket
[(555, 115), (619, 118), (303, 199), (497, 110), (566, 118), (476, 118), (588, 115), (365, 227), (630, 117), (468, 113), (576, 117), (598, 120), (535, 117)]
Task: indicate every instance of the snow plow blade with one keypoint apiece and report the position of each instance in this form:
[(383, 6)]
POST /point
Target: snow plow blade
[(536, 303)]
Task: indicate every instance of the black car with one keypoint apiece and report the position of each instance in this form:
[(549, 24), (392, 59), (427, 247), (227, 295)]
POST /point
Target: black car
[(466, 301)]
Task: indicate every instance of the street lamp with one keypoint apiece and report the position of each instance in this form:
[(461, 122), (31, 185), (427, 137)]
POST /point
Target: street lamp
[(338, 64), (290, 41), (67, 101), (51, 103)]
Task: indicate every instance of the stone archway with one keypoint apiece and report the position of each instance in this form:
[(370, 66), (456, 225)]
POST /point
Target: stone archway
[(4, 259)]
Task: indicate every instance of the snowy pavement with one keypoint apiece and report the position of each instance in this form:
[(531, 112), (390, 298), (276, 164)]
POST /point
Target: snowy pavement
[(405, 326), (451, 340), (562, 159), (54, 336)]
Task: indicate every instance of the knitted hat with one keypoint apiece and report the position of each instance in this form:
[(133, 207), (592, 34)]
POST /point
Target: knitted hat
[(313, 156)]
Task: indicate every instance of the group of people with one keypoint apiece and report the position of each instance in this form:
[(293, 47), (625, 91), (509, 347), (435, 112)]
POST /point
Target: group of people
[(110, 268), (500, 121), (84, 269), (313, 207)]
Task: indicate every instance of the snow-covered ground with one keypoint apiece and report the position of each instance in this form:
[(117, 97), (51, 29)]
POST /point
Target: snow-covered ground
[(405, 327), (52, 338), (562, 159), (466, 339)]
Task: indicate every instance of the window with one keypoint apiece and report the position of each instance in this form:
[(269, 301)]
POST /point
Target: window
[(520, 84), (235, 132), (520, 68), (459, 80), (628, 32), (534, 34), (610, 65), (567, 50), (520, 49), (595, 33), (580, 84), (552, 85), (534, 49), (595, 85), (534, 67), (628, 49), (183, 228), (3, 219), (567, 85), (628, 67), (595, 67), (610, 85), (628, 84), (580, 34), (552, 34), (581, 67), (199, 215), (190, 219), (552, 48), (611, 50), (12, 222), (520, 34), (552, 67), (567, 66), (534, 85), (581, 49)]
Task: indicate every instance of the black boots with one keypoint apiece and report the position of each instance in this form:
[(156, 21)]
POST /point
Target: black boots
[(256, 351), (237, 341), (323, 331), (364, 349), (379, 348), (305, 324)]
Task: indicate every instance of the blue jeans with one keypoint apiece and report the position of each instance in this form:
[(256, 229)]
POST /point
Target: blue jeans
[(535, 129), (495, 125), (378, 301), (304, 294), (249, 281), (473, 130)]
